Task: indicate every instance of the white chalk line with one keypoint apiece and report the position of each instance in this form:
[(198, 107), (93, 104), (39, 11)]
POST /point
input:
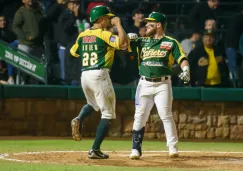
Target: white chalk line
[(3, 156)]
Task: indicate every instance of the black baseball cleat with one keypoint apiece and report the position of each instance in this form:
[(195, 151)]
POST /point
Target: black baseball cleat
[(97, 154)]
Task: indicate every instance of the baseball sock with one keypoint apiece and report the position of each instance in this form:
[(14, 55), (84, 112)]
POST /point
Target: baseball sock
[(101, 133), (85, 112), (137, 139)]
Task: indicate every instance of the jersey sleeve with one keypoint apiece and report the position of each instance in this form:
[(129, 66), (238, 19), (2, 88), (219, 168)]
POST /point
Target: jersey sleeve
[(75, 47), (178, 52), (111, 39)]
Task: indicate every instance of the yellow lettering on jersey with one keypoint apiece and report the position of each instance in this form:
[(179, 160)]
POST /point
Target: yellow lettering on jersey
[(85, 48), (148, 53), (96, 47), (91, 47)]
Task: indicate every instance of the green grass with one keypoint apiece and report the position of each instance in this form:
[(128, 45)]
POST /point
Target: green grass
[(9, 146), (11, 166)]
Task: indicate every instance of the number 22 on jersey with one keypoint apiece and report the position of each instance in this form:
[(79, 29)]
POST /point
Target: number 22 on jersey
[(90, 59)]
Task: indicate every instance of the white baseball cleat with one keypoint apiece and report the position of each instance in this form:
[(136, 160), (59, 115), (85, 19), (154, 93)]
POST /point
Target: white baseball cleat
[(173, 152), (135, 155)]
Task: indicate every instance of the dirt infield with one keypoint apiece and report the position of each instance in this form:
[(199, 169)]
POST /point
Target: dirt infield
[(197, 160)]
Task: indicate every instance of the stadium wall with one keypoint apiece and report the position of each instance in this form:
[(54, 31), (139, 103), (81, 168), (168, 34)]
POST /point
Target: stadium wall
[(199, 113)]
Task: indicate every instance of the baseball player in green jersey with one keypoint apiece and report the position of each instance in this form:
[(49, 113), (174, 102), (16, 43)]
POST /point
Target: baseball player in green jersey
[(156, 54), (95, 47)]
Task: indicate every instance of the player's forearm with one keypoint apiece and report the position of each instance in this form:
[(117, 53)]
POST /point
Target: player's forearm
[(184, 63), (123, 37)]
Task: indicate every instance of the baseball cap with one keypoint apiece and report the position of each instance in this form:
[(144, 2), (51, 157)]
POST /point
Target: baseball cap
[(156, 16), (209, 32)]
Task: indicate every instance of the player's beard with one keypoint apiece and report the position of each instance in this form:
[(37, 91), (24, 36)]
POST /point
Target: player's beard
[(151, 31)]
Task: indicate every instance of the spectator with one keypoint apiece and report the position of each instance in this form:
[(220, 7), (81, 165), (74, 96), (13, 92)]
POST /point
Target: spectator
[(9, 8), (190, 43), (52, 38), (203, 11), (142, 30), (93, 4), (123, 70), (28, 27), (3, 73), (111, 6), (68, 35), (210, 24), (137, 16), (53, 14), (232, 38), (47, 4), (7, 35), (207, 63)]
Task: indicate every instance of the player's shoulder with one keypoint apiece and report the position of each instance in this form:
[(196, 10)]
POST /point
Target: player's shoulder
[(170, 39), (90, 32), (104, 32), (108, 36)]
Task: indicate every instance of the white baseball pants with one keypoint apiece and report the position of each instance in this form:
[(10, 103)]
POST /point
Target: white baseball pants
[(160, 93), (99, 92)]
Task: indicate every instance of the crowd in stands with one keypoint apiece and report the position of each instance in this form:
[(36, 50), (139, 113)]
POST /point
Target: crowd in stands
[(47, 29)]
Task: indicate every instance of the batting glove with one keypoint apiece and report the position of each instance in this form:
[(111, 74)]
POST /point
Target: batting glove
[(185, 74), (132, 36)]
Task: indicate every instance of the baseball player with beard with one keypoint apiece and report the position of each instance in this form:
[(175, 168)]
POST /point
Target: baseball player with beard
[(156, 54), (96, 47)]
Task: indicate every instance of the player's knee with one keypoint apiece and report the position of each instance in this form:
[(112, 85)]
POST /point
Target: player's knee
[(166, 117), (137, 125), (89, 108), (106, 123), (140, 118), (164, 114)]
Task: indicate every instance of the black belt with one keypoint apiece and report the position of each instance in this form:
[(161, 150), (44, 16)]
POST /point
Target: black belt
[(155, 79)]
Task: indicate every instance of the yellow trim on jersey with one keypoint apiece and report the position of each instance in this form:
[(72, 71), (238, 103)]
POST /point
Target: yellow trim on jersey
[(180, 58), (109, 56), (183, 55), (129, 49), (74, 50), (106, 36), (171, 61), (138, 57)]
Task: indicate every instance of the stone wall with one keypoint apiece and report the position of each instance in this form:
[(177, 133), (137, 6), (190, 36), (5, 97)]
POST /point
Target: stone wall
[(51, 117)]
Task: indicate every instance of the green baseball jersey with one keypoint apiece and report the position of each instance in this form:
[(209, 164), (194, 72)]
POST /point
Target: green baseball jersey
[(156, 56), (95, 48)]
